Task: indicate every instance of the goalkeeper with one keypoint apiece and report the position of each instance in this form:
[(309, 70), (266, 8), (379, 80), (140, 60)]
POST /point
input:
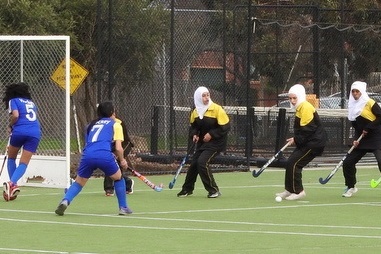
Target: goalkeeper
[(108, 183)]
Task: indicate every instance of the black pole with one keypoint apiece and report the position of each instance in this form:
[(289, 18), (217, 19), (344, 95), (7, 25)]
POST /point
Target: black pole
[(99, 51), (343, 78), (248, 105), (280, 130), (341, 63), (110, 65), (277, 73), (236, 67), (155, 130), (224, 50), (171, 83), (316, 53)]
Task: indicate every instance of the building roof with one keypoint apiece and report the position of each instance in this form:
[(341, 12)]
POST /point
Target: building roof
[(209, 59)]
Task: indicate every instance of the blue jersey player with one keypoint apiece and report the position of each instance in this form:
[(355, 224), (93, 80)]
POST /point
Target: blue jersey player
[(100, 136), (25, 132)]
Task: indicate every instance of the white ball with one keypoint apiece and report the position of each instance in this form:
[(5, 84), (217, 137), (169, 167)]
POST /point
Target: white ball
[(278, 199)]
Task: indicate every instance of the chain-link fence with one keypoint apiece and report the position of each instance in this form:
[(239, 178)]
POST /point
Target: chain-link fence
[(247, 55), (34, 60)]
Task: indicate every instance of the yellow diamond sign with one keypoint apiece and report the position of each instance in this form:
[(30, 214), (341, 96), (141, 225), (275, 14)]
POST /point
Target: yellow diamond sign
[(77, 75)]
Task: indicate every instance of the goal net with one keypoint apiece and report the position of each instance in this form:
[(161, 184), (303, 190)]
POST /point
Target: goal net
[(33, 60)]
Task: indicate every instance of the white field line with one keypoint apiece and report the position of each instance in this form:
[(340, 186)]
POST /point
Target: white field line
[(8, 250), (136, 216), (330, 185), (192, 229)]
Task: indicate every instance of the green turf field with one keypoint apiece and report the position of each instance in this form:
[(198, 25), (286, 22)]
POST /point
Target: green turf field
[(245, 219)]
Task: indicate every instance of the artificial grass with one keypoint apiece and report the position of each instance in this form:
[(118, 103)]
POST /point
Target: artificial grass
[(245, 219)]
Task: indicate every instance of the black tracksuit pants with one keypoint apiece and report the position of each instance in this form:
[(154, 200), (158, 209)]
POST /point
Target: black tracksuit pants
[(349, 164), (108, 184), (298, 159), (200, 166)]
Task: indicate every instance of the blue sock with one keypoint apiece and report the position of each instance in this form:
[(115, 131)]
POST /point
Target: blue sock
[(19, 172), (11, 164), (120, 191), (72, 192)]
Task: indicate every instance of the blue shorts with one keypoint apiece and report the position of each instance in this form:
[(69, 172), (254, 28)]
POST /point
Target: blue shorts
[(106, 163), (27, 143)]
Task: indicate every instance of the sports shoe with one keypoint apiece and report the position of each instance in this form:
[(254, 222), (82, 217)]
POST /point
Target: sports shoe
[(184, 193), (131, 189), (214, 195), (10, 191), (283, 194), (109, 193), (5, 196), (12, 198), (349, 192), (294, 196), (15, 190), (60, 210), (124, 211)]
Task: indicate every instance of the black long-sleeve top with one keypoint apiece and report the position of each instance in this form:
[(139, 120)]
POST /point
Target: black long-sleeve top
[(308, 129), (370, 121), (215, 122)]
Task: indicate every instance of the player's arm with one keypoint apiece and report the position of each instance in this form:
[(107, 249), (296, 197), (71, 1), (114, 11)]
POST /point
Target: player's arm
[(118, 150), (118, 139), (13, 119), (13, 113)]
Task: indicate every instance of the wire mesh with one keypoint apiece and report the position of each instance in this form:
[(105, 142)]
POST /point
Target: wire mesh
[(33, 62)]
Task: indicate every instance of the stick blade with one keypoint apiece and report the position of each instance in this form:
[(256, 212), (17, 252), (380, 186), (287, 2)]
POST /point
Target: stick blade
[(159, 188), (324, 181), (373, 183), (171, 184), (257, 173)]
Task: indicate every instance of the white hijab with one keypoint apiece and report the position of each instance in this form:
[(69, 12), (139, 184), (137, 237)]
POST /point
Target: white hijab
[(201, 108), (355, 107), (300, 93)]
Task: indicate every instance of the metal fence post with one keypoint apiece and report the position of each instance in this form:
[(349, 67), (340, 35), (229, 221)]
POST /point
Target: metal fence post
[(155, 130)]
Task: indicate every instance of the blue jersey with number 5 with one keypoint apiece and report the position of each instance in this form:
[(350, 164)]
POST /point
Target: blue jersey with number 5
[(27, 123)]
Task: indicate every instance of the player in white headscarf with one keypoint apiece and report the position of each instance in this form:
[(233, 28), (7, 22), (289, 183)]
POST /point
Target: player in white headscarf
[(357, 101), (365, 116), (202, 103), (209, 128), (309, 138), (300, 93)]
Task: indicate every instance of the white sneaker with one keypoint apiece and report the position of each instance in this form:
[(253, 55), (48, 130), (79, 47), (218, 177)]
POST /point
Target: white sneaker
[(349, 192), (125, 211), (295, 196), (283, 194)]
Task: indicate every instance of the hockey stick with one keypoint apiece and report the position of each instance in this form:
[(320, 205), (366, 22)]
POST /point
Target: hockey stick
[(157, 188), (172, 183), (333, 172), (375, 183), (257, 173)]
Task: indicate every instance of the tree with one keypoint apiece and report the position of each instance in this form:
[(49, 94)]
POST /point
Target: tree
[(131, 35), (280, 31)]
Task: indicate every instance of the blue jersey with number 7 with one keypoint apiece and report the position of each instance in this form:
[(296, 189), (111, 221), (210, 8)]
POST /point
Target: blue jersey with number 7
[(100, 137), (27, 124)]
